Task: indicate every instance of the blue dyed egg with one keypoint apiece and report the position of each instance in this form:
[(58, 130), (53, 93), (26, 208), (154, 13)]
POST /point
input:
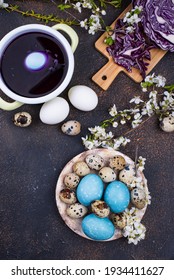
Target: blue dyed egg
[(117, 196), (97, 228), (35, 60), (89, 189)]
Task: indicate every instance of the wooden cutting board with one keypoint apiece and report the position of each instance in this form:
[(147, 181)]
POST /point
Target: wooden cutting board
[(106, 75)]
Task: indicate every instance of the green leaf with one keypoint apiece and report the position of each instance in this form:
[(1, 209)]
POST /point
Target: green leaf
[(109, 41), (169, 88), (63, 7), (146, 84)]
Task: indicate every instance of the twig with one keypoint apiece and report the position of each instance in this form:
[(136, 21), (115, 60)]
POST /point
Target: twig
[(136, 158), (130, 130)]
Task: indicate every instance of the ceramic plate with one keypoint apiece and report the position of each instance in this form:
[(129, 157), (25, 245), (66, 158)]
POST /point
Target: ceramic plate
[(75, 224)]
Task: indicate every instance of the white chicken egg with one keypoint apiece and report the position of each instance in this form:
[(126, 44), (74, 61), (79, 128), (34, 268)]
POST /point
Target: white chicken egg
[(83, 98), (54, 111)]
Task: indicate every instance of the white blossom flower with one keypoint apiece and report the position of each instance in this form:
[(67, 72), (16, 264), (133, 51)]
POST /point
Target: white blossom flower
[(137, 120), (168, 96), (134, 230), (144, 89), (86, 4), (115, 124), (84, 23), (149, 108), (77, 6), (121, 141), (153, 94), (127, 15), (92, 30), (109, 135), (88, 144), (149, 78), (130, 29), (136, 100), (160, 81), (148, 197), (144, 111), (136, 183), (98, 131), (135, 18), (141, 163), (132, 16), (134, 111), (139, 8), (3, 5), (137, 116), (103, 12), (113, 111), (123, 121), (136, 123)]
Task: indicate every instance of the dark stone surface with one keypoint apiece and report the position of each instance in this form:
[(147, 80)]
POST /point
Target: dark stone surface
[(32, 158)]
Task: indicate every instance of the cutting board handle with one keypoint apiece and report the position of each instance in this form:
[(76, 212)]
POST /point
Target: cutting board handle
[(106, 75)]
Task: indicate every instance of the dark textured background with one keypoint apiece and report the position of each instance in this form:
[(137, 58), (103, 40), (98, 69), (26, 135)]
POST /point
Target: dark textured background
[(32, 158)]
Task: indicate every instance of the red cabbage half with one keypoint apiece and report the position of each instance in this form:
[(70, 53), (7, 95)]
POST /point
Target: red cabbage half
[(131, 49), (157, 19), (156, 29)]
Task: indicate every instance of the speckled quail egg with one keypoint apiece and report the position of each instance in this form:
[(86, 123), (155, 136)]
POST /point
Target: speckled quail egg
[(100, 208), (81, 168), (76, 210), (22, 119), (107, 174), (138, 198), (68, 196), (117, 162), (127, 175), (167, 124), (71, 180), (119, 220), (94, 161), (71, 128)]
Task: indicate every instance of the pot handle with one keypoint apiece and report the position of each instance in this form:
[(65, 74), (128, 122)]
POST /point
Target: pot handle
[(72, 34), (9, 106)]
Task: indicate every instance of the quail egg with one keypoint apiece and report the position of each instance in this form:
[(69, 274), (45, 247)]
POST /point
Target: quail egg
[(138, 198), (71, 128), (100, 208), (97, 228), (107, 174), (117, 196), (68, 196), (71, 180), (119, 220), (22, 119), (90, 188), (127, 175), (167, 124), (76, 210), (81, 168), (95, 161), (117, 162)]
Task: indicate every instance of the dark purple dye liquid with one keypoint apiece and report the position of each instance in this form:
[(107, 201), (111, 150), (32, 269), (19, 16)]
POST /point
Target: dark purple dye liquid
[(34, 83)]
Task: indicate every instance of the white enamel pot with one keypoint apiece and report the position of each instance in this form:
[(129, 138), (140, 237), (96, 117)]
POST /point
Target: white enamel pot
[(52, 31)]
